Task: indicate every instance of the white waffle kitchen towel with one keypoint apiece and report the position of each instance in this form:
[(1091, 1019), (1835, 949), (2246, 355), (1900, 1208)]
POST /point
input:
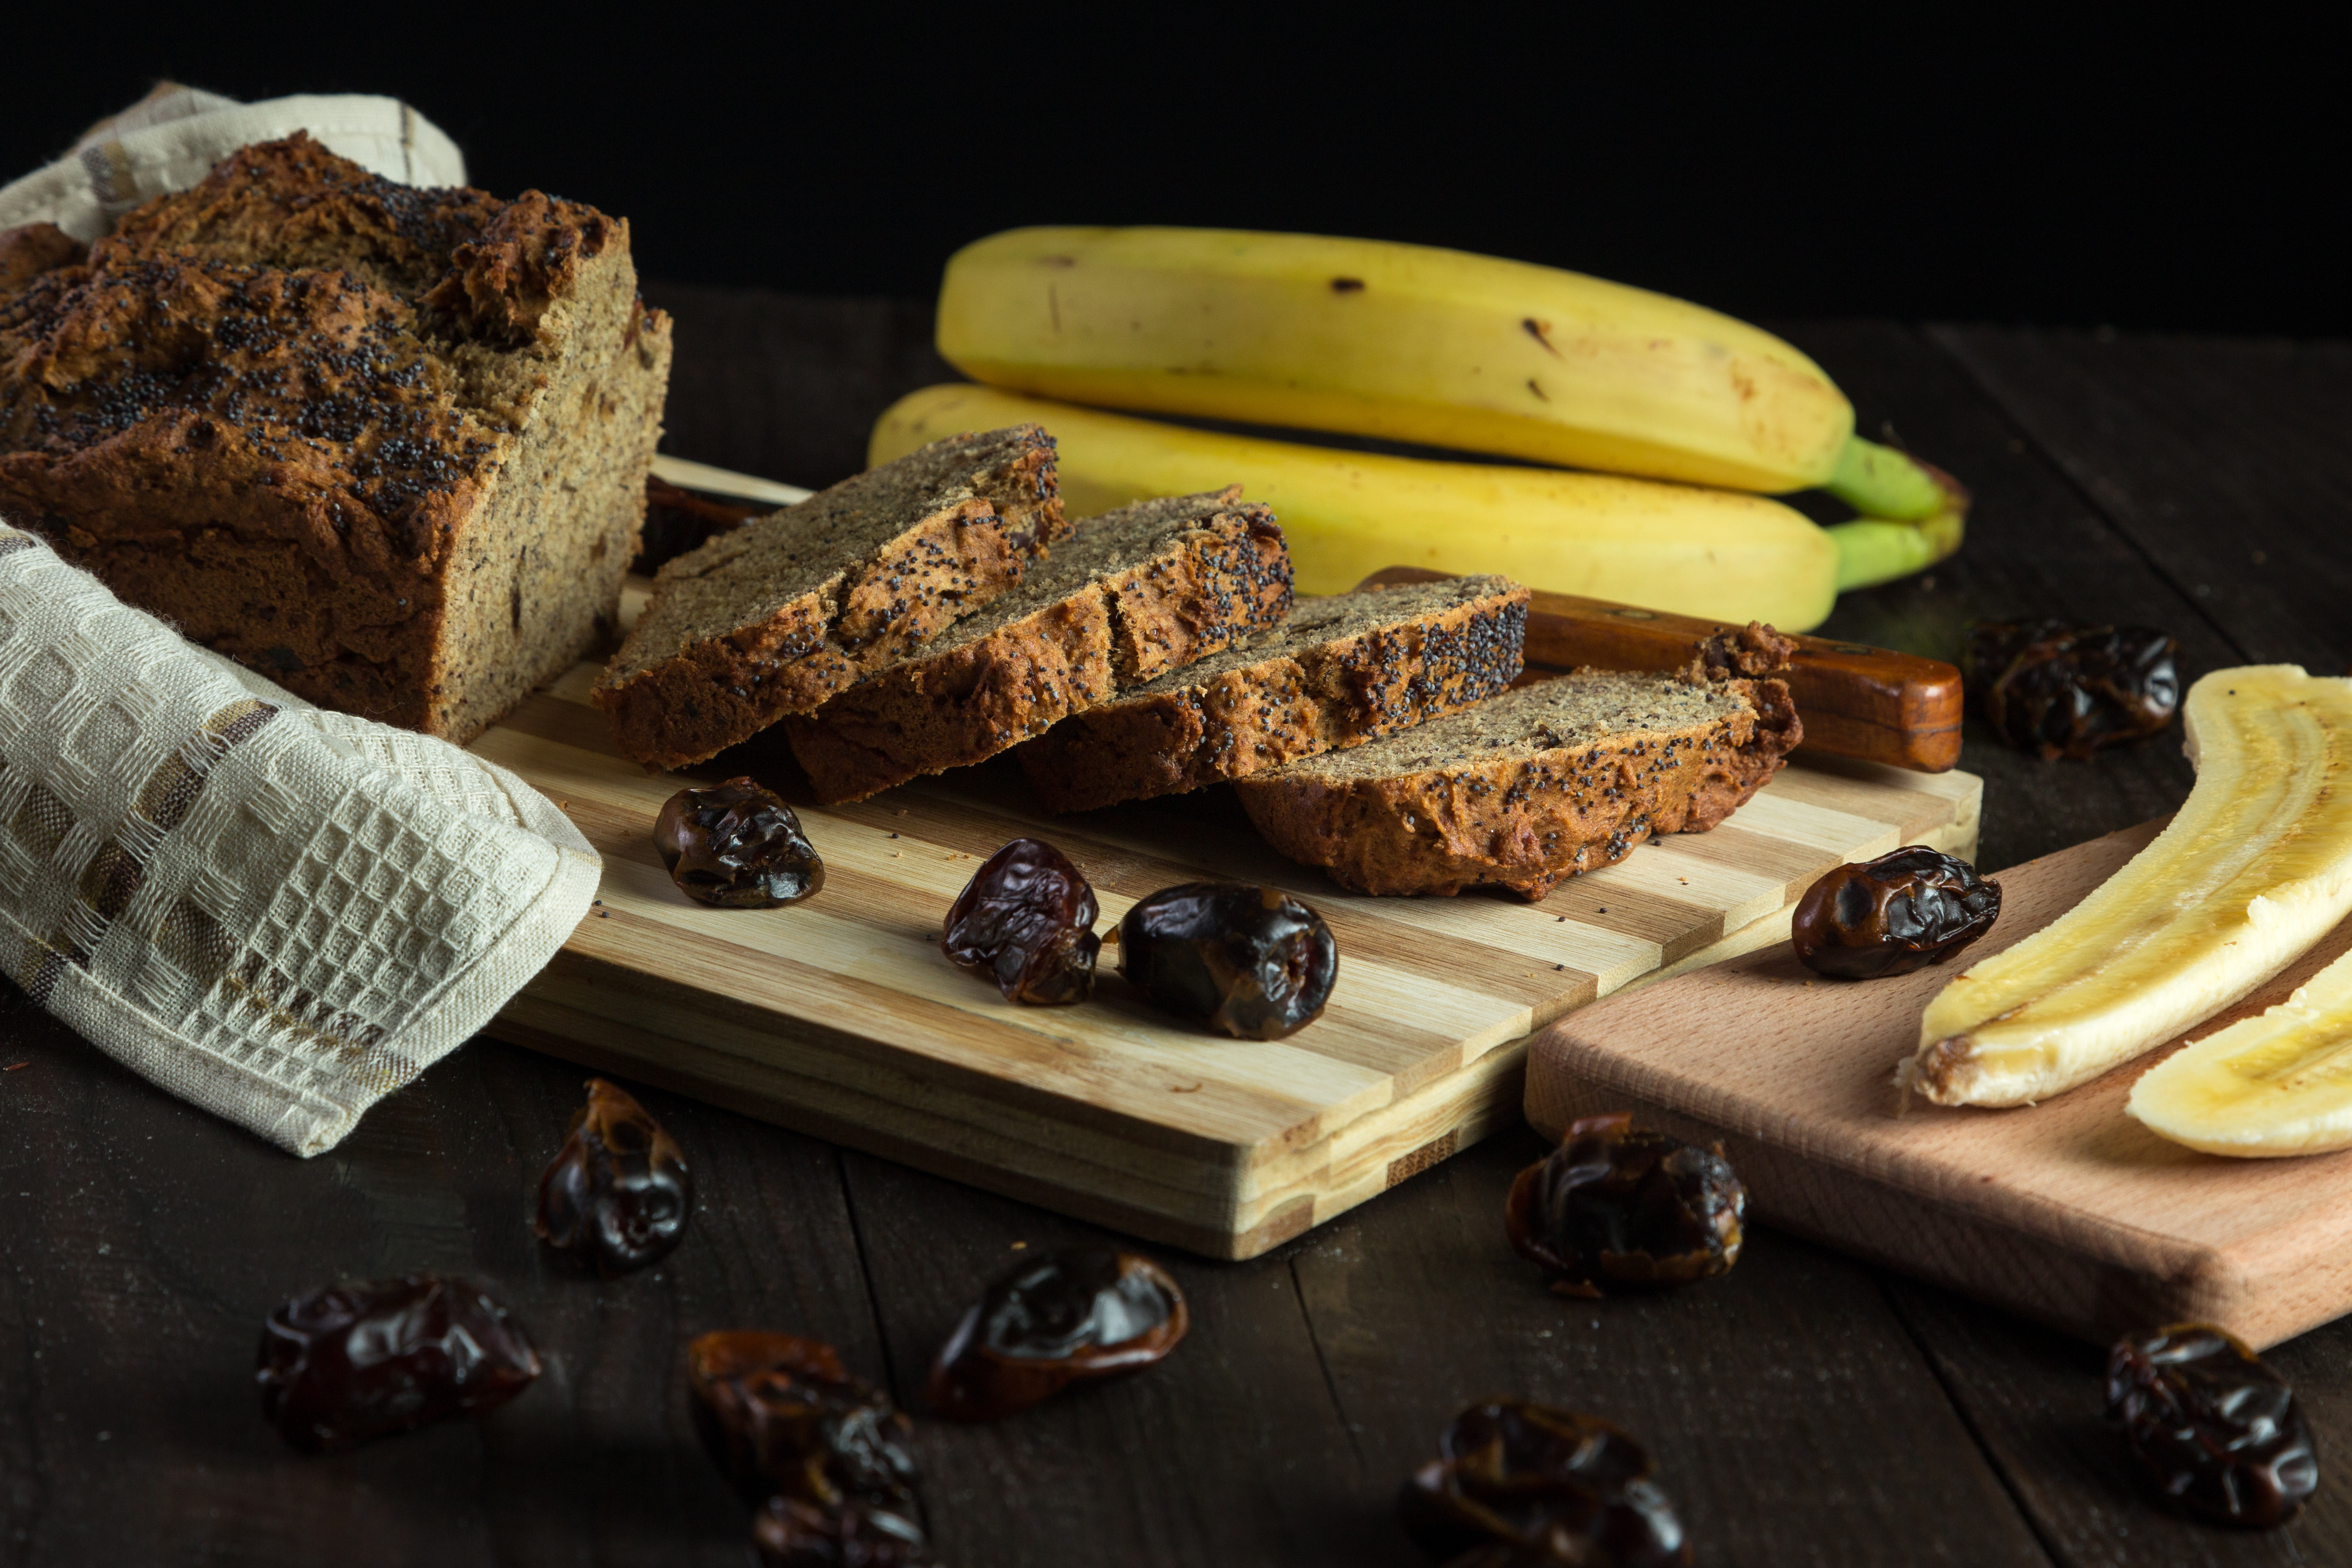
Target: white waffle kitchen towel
[(278, 912), (173, 137)]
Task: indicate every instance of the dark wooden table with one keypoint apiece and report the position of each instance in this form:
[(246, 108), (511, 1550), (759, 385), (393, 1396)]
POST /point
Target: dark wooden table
[(1807, 1409)]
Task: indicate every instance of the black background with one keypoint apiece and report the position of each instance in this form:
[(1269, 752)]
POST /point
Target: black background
[(1992, 168)]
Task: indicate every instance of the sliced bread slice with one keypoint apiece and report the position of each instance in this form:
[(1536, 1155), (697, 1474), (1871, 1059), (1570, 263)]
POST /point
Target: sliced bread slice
[(1133, 593), (781, 613), (1342, 670), (1547, 781)]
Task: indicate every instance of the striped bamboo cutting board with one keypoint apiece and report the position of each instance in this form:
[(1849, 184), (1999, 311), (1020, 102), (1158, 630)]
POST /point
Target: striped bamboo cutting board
[(839, 1016)]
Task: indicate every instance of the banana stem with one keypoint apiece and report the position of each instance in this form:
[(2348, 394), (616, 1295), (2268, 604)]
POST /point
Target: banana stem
[(1875, 549), (1883, 482), (1913, 514)]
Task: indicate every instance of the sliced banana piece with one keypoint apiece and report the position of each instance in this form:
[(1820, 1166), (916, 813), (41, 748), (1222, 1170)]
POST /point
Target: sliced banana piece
[(2277, 1084), (2256, 868)]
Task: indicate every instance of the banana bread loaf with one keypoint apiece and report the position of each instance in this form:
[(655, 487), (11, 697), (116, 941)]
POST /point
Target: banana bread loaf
[(1547, 781), (778, 616), (1338, 672), (1134, 594), (387, 446)]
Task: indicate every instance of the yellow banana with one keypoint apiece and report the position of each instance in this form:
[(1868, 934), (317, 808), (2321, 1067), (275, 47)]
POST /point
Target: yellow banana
[(1714, 554), (2254, 869), (1412, 344)]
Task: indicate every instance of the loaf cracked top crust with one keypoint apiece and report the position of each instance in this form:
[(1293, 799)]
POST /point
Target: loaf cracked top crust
[(1544, 781), (1131, 595), (344, 353), (780, 614), (386, 444)]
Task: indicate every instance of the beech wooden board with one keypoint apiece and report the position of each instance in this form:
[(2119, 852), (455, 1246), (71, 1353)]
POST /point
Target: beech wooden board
[(840, 1016), (2068, 1211)]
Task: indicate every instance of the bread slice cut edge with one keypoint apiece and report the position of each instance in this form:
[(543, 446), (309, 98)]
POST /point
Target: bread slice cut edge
[(1134, 592), (1343, 671), (777, 616), (1548, 781)]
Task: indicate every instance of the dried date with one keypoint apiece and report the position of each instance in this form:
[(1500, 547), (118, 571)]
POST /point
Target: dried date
[(353, 1362), (2217, 1430), (1516, 1482), (1080, 1313), (789, 1534), (780, 1415), (1248, 960), (1617, 1205), (617, 1194), (2064, 690), (1026, 920), (737, 846), (1907, 909)]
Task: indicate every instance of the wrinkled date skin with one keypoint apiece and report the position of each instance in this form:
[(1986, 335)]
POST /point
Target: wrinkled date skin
[(1616, 1205), (617, 1194), (782, 1416), (1079, 1313), (1026, 920), (789, 1534), (2064, 690), (1247, 961), (2217, 1430), (1909, 907), (737, 846), (353, 1362), (1516, 1482)]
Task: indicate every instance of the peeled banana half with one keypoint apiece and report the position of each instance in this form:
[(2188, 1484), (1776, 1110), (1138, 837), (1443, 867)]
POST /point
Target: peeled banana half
[(2254, 869), (2277, 1084), (1714, 554)]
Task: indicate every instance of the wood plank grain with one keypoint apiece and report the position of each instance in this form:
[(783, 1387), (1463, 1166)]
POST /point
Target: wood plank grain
[(2036, 1399), (789, 385), (1768, 1397), (1230, 1451), (1871, 703), (2035, 546), (144, 1242), (2224, 460)]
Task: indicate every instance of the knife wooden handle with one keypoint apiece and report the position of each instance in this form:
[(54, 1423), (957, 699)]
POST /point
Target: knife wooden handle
[(1857, 701)]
